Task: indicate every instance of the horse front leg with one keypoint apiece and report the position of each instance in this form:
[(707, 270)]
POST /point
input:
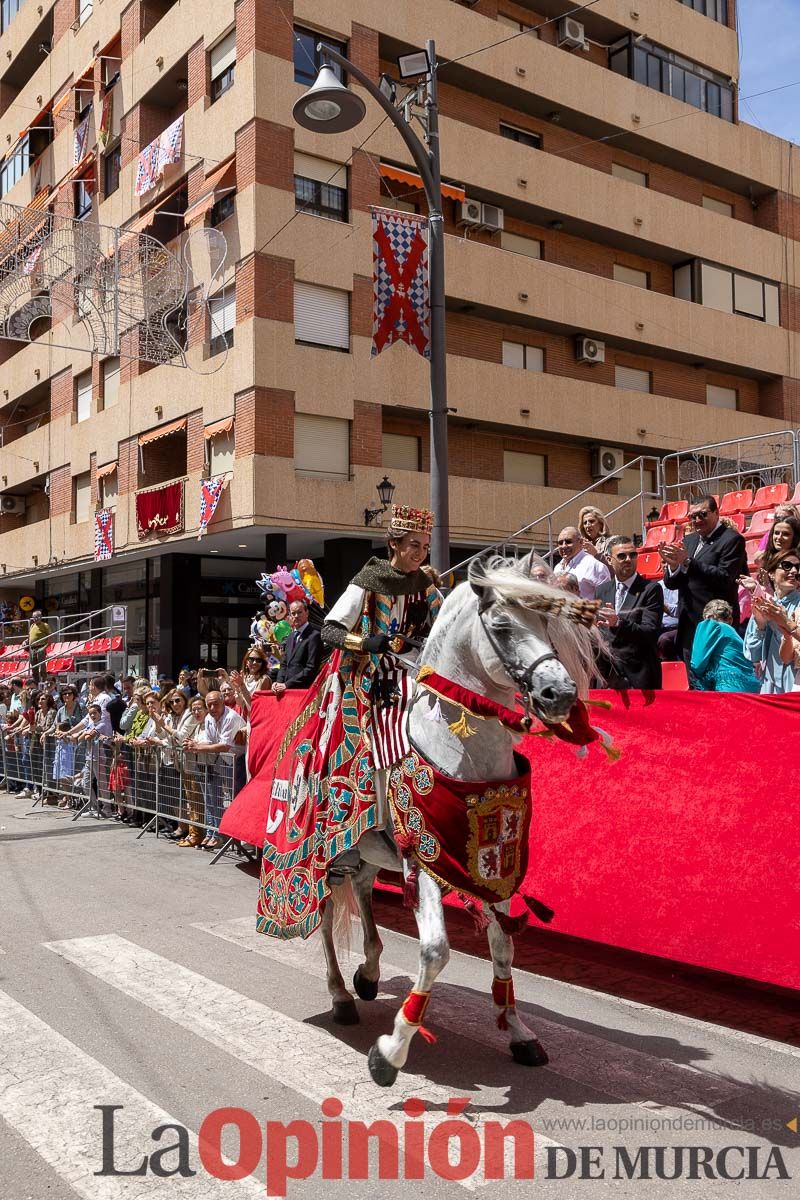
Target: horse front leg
[(343, 1004), (367, 976), (525, 1046), (389, 1053)]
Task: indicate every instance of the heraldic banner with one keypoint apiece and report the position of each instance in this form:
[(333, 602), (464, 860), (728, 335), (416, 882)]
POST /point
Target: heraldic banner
[(103, 534), (160, 510), (210, 492), (401, 310)]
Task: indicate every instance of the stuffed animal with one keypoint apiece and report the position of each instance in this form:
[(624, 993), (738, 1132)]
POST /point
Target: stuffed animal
[(283, 581), (311, 580), (277, 611)]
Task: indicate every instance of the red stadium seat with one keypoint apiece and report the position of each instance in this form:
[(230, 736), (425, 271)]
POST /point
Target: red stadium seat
[(649, 564), (674, 677), (733, 502), (770, 496), (760, 523), (737, 520), (673, 510), (660, 533)]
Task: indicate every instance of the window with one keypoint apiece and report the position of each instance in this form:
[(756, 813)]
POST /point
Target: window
[(221, 453), (728, 291), (620, 171), (718, 206), (8, 10), (520, 245), (111, 64), (307, 60), (81, 496), (525, 137), (84, 10), (401, 451), (721, 397), (83, 396), (631, 483), (520, 467), (222, 63), (631, 379), (631, 276), (110, 369), (224, 208), (670, 73), (84, 191), (526, 358), (112, 165), (321, 315), (717, 10), (109, 490), (322, 446), (518, 26), (320, 187), (222, 310)]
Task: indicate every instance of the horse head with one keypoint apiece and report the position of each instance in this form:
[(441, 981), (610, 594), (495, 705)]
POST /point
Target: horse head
[(526, 636)]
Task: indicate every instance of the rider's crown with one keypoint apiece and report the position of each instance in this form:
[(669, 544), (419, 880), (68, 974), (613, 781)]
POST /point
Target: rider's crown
[(411, 520)]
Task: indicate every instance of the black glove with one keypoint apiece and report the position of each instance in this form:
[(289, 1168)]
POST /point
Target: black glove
[(376, 643)]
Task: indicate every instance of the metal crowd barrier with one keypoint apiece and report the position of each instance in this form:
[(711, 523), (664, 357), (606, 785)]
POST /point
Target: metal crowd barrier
[(151, 787)]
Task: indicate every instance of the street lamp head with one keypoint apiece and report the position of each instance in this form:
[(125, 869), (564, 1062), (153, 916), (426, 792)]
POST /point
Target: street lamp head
[(328, 106), (385, 491)]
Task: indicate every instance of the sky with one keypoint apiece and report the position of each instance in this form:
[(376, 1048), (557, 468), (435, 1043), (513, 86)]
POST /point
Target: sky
[(769, 35)]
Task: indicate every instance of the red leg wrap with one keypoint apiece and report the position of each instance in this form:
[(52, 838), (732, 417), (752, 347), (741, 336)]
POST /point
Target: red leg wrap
[(413, 1010), (503, 996)]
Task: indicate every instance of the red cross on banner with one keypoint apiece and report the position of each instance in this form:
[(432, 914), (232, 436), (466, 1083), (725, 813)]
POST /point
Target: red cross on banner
[(103, 534), (401, 293)]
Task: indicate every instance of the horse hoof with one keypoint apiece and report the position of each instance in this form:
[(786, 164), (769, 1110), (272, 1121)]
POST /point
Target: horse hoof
[(381, 1070), (529, 1054), (345, 1012), (365, 988)]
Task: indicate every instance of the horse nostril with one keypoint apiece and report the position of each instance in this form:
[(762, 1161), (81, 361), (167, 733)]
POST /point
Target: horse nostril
[(548, 693)]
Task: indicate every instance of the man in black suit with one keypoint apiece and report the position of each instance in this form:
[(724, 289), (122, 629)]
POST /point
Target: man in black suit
[(630, 619), (705, 566), (302, 654)]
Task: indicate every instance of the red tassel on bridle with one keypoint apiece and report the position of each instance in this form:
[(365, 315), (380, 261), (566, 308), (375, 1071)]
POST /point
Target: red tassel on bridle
[(479, 918)]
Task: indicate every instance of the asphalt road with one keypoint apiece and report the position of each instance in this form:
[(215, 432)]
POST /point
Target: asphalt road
[(131, 975)]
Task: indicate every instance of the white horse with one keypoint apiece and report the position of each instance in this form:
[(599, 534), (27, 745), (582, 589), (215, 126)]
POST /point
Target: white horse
[(502, 633)]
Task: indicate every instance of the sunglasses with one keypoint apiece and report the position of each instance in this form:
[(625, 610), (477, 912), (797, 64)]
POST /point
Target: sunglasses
[(625, 556), (253, 660), (699, 516), (789, 564), (565, 542)]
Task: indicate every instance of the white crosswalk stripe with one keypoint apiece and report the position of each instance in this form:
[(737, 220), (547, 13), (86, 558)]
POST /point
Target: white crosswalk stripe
[(48, 1090), (582, 1057), (308, 1060)]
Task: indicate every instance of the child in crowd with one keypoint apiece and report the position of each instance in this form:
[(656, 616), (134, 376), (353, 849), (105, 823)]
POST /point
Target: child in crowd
[(63, 762)]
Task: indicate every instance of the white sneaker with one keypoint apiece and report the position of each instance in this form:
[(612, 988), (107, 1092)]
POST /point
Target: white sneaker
[(25, 794)]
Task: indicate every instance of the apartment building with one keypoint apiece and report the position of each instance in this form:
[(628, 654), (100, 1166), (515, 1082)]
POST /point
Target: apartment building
[(620, 273)]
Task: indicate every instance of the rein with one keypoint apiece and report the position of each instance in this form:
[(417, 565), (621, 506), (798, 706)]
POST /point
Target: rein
[(473, 703)]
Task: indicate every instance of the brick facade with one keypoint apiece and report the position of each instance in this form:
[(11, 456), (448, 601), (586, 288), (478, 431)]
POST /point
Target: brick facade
[(61, 491), (264, 154), (263, 25), (264, 423), (265, 288)]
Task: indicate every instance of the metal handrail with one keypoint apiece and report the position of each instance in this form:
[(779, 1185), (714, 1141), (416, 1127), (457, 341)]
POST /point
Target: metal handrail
[(743, 469)]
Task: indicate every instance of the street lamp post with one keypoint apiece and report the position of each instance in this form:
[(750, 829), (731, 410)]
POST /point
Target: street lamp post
[(328, 107)]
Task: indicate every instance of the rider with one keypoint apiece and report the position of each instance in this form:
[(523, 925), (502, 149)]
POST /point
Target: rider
[(384, 605)]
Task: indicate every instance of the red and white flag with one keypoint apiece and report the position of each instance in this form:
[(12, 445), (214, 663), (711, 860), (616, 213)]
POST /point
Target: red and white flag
[(210, 492), (401, 310), (103, 534)]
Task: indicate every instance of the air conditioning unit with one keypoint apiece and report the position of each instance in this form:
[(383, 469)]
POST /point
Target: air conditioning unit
[(589, 350), (470, 212), (605, 461), (571, 33), (12, 505), (492, 217)]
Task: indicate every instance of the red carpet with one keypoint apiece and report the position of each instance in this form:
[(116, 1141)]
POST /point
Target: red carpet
[(687, 848)]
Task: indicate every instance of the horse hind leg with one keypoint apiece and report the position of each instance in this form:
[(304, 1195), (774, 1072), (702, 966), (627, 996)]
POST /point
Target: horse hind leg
[(525, 1047), (343, 1004), (389, 1054), (367, 976)]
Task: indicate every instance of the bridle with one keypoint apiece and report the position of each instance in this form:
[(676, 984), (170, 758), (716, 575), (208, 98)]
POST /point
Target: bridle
[(521, 676)]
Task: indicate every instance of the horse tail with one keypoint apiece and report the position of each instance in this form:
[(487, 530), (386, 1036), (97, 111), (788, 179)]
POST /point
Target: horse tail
[(345, 912)]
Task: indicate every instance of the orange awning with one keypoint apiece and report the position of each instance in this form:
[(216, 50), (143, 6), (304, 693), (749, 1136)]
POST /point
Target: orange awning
[(108, 469), (163, 431), (75, 172), (147, 218), (219, 181), (401, 175), (62, 102), (223, 426)]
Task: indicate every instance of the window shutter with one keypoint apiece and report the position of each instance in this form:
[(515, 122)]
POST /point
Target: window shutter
[(748, 296), (322, 446), (401, 451), (83, 402), (223, 55), (513, 354), (321, 315), (111, 370), (534, 358), (718, 206), (223, 311), (772, 311), (519, 467), (630, 276), (631, 379), (620, 171), (221, 453), (720, 397), (83, 492), (717, 287), (320, 169), (521, 245), (109, 490)]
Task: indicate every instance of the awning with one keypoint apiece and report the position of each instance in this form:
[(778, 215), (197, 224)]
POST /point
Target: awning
[(162, 431), (401, 175), (217, 184), (26, 225), (76, 171), (108, 469), (224, 426), (62, 102), (146, 219)]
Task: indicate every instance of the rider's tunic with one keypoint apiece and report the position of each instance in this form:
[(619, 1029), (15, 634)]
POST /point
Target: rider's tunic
[(382, 599)]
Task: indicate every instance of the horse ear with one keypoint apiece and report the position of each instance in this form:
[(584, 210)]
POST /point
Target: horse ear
[(476, 579)]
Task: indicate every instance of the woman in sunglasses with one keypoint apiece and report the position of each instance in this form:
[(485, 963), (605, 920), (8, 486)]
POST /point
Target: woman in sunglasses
[(768, 638)]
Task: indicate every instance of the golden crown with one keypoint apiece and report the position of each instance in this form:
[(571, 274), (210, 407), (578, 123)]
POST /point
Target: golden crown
[(411, 520)]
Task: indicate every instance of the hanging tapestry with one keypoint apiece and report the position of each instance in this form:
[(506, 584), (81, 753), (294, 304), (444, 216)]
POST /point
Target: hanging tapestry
[(160, 510), (401, 310)]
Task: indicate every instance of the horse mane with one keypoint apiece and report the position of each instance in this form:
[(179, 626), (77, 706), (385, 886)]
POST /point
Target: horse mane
[(529, 583)]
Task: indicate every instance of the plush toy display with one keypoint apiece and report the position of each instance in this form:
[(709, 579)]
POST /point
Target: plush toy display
[(270, 627), (311, 580)]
